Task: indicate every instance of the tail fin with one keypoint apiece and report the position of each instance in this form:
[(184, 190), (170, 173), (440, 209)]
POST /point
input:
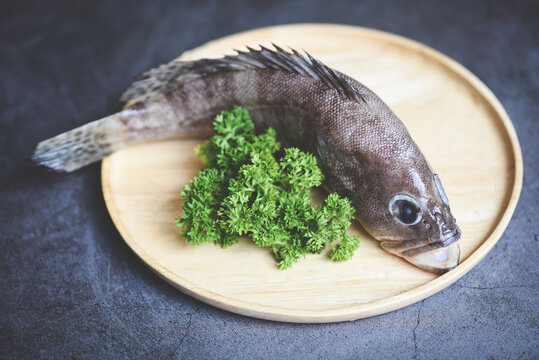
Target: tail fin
[(81, 146)]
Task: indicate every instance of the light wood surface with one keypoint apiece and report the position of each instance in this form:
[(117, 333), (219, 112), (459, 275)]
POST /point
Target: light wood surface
[(457, 122)]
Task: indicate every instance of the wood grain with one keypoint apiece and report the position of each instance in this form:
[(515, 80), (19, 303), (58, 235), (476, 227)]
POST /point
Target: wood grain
[(457, 122)]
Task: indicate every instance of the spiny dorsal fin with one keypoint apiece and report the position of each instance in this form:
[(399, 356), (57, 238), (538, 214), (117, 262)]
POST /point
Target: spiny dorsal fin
[(165, 76)]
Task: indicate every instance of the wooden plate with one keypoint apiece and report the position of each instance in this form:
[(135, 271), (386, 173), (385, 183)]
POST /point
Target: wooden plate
[(458, 123)]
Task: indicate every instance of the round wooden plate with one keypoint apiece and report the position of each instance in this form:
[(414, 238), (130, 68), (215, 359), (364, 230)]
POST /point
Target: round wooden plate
[(457, 122)]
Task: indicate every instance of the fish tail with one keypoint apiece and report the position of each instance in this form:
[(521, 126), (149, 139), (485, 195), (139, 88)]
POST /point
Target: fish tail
[(81, 146)]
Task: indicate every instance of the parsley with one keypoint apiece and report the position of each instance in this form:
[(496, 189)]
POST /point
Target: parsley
[(246, 191)]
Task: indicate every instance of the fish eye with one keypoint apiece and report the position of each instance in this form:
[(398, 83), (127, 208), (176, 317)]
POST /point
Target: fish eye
[(405, 209)]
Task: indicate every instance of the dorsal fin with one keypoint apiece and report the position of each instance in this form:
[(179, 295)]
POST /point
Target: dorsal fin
[(165, 76)]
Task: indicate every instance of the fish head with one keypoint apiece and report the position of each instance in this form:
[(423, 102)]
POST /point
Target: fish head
[(412, 219)]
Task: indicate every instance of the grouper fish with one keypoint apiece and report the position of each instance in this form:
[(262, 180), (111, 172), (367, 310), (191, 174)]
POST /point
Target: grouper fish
[(363, 148)]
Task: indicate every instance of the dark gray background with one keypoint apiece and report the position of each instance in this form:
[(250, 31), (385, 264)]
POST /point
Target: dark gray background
[(71, 288)]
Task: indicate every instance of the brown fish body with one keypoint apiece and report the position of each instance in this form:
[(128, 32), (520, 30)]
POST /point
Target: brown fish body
[(365, 151)]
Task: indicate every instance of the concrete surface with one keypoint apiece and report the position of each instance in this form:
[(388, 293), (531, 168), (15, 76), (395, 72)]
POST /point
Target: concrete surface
[(71, 288)]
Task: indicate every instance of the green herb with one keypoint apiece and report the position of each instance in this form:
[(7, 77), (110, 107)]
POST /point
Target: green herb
[(246, 191)]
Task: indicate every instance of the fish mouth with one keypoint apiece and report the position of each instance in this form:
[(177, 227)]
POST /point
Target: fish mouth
[(439, 257)]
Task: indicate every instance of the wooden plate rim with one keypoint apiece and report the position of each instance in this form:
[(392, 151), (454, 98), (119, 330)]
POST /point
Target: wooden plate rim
[(372, 308)]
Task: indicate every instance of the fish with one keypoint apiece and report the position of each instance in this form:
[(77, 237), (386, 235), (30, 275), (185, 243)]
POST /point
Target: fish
[(365, 151)]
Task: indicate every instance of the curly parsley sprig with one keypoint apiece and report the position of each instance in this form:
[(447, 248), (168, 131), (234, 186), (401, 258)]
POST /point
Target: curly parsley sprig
[(246, 191)]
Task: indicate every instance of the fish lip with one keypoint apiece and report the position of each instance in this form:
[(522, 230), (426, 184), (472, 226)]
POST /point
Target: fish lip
[(438, 260), (439, 270), (435, 245), (438, 257), (451, 239), (417, 246)]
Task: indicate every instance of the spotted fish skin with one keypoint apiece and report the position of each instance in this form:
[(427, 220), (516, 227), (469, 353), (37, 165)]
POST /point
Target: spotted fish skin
[(365, 151)]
